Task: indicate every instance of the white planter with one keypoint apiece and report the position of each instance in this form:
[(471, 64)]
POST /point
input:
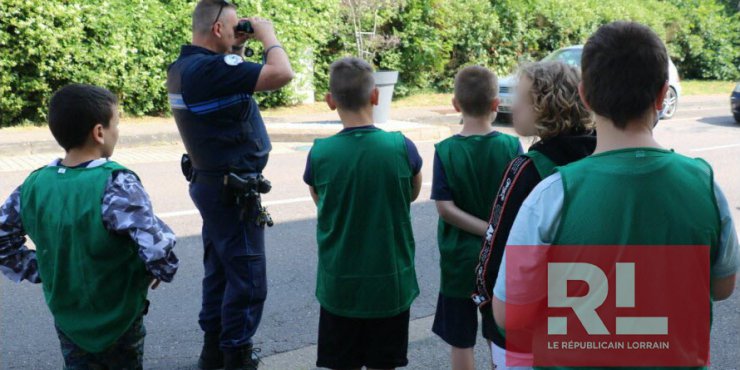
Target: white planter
[(386, 82)]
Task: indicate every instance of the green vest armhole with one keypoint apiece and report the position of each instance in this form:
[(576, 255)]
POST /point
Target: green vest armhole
[(564, 208), (117, 167), (713, 249), (544, 165)]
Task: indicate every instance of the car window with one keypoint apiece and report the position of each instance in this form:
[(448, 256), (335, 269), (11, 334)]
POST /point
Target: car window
[(570, 57)]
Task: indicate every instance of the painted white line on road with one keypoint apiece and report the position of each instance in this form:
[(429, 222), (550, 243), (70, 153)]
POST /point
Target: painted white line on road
[(192, 212), (189, 212), (287, 201), (715, 148)]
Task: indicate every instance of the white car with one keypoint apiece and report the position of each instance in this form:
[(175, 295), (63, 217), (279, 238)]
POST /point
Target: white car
[(572, 56)]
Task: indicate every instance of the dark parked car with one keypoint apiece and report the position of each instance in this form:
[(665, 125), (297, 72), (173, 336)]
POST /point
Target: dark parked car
[(735, 103)]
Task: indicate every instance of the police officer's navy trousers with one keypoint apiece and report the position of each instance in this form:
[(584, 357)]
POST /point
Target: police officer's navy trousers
[(235, 284)]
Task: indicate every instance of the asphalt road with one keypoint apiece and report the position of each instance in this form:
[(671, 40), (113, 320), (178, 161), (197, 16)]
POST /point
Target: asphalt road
[(288, 331)]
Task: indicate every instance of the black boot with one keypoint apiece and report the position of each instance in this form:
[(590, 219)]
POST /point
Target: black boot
[(211, 357), (244, 358)]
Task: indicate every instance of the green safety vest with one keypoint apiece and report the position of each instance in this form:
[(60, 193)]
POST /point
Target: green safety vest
[(544, 165), (94, 282), (365, 241), (473, 166), (638, 196)]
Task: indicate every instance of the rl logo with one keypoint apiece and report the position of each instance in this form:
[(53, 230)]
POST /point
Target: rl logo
[(608, 306), (558, 276)]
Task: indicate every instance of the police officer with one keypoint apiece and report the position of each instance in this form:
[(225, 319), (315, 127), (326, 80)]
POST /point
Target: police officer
[(210, 90)]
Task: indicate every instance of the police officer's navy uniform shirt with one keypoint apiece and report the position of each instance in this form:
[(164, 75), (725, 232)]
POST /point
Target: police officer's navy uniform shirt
[(211, 98)]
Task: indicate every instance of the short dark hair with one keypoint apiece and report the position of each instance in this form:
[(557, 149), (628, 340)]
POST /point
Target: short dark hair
[(351, 83), (75, 109), (624, 67), (475, 89), (205, 14)]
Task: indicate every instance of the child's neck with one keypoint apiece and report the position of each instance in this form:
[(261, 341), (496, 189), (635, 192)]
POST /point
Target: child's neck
[(637, 134), (476, 126), (356, 119), (77, 156)]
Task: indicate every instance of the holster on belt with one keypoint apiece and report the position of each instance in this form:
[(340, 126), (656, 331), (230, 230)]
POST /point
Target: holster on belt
[(244, 191)]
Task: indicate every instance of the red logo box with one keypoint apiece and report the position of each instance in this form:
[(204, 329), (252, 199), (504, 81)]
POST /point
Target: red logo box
[(601, 305)]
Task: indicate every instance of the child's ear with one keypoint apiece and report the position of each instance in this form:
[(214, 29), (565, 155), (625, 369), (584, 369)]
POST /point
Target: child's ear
[(374, 96), (494, 104), (456, 105), (582, 94), (659, 100), (330, 102), (97, 134)]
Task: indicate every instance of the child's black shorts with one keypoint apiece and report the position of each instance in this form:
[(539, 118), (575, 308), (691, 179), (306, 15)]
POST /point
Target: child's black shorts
[(350, 343), (456, 321)]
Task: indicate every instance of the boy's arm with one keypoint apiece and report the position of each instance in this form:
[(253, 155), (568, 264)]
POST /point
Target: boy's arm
[(725, 267), (314, 196), (415, 162), (461, 219), (17, 262), (127, 210), (308, 179), (448, 211), (416, 186)]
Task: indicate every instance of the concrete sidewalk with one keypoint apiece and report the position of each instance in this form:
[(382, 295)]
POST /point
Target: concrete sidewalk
[(418, 123), (431, 123)]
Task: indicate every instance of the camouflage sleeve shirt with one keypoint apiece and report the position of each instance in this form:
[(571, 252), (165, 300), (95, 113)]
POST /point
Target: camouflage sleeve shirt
[(126, 210)]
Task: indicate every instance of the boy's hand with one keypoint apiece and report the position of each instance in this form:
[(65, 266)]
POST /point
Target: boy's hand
[(155, 283)]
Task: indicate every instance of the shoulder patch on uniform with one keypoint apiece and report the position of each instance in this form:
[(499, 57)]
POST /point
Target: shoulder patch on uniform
[(233, 59)]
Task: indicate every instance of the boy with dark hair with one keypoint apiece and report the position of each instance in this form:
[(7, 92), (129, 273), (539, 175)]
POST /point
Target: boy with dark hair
[(611, 197), (467, 170), (98, 244), (363, 180)]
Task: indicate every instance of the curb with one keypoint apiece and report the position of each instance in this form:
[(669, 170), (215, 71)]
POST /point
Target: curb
[(282, 134)]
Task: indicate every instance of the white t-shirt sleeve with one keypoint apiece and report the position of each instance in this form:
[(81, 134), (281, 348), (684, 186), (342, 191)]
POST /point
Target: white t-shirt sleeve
[(535, 225), (728, 253)]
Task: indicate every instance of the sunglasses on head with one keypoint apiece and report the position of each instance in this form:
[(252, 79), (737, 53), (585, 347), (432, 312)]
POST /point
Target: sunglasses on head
[(224, 3)]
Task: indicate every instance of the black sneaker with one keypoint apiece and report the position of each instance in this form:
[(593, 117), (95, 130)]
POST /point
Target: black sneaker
[(244, 358), (211, 357)]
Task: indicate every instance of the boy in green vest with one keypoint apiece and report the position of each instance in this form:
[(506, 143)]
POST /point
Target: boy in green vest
[(98, 244), (631, 192), (467, 171), (363, 181)]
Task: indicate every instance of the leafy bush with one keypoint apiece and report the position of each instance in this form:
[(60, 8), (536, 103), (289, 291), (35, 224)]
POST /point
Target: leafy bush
[(126, 45)]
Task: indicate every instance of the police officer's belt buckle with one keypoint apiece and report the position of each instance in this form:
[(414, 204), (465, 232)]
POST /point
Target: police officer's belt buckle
[(247, 190)]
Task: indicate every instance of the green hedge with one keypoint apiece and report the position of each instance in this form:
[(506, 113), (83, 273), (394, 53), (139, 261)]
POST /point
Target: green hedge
[(126, 45)]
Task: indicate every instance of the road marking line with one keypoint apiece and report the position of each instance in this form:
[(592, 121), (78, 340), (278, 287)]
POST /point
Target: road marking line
[(715, 148), (189, 212), (192, 212), (287, 201)]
